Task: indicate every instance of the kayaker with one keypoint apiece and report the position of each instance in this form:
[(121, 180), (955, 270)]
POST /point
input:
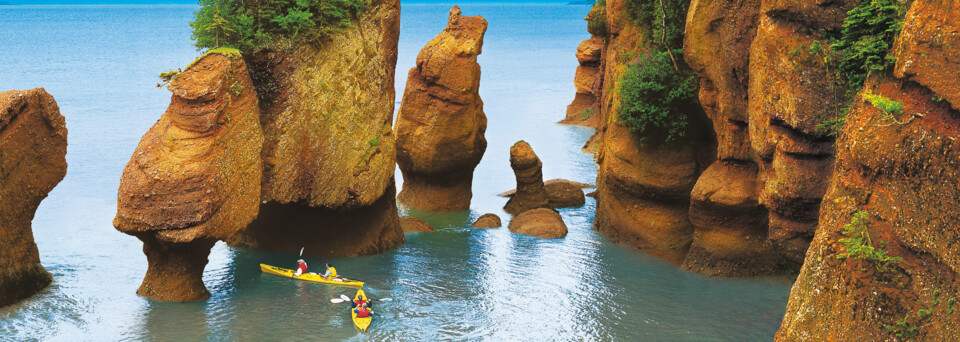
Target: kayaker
[(301, 268), (362, 302), (331, 272), (363, 311)]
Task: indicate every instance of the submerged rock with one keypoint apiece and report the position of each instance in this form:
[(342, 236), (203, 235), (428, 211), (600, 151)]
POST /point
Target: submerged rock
[(530, 193), (329, 156), (195, 176), (411, 224), (488, 220), (543, 223), (440, 124), (33, 147)]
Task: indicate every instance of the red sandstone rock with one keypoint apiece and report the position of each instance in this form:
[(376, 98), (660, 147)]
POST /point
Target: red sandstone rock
[(441, 123), (411, 224), (487, 220), (526, 166), (329, 156), (584, 108), (543, 223), (195, 176), (33, 146)]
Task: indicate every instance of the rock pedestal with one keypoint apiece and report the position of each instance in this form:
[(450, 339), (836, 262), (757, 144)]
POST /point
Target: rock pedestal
[(33, 147), (584, 109), (195, 176), (441, 123)]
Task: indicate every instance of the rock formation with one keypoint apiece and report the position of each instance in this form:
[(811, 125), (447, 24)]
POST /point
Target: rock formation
[(441, 123), (411, 224), (329, 155), (895, 181), (543, 223), (33, 147), (560, 193), (195, 176), (730, 236), (488, 220), (584, 109), (528, 169), (789, 97)]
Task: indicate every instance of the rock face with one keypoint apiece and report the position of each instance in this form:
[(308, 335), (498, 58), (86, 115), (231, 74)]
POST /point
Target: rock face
[(543, 223), (487, 220), (33, 147), (528, 169), (730, 236), (584, 108), (411, 224), (900, 172), (563, 193), (329, 154), (195, 176), (789, 97), (441, 123)]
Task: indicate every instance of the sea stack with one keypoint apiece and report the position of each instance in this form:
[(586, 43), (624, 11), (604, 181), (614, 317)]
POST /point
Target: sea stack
[(528, 169), (195, 176), (441, 122), (329, 156), (33, 148), (584, 110)]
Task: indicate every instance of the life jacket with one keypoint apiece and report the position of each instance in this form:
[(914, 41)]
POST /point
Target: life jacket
[(360, 302), (302, 268), (333, 272), (363, 313)]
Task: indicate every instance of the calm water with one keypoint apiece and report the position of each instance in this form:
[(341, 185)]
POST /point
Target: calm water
[(100, 63)]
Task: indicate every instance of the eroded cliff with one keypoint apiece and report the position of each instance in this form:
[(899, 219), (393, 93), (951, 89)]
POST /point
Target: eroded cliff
[(33, 148), (329, 155), (884, 264)]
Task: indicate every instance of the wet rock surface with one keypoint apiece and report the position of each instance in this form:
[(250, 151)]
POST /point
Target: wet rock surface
[(488, 220), (411, 224), (528, 170), (543, 223)]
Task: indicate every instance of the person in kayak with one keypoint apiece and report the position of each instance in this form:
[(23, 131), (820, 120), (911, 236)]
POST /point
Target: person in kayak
[(331, 272), (363, 311), (301, 268), (362, 302)]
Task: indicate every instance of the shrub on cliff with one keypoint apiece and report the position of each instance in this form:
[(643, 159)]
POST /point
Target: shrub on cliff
[(652, 93), (868, 33), (249, 25)]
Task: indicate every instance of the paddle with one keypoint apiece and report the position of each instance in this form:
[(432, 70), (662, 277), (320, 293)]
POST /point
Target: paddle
[(344, 298)]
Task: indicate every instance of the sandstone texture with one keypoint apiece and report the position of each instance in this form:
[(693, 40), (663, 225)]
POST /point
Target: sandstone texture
[(563, 193), (584, 110), (898, 170), (195, 176), (543, 223), (440, 124), (411, 224), (488, 220), (329, 153), (33, 148), (528, 169)]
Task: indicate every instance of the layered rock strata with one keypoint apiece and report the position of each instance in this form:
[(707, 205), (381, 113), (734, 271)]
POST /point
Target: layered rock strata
[(894, 190), (195, 176), (329, 154), (441, 123), (411, 224), (587, 80), (33, 148), (528, 170)]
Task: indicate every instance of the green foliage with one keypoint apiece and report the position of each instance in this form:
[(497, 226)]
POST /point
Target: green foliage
[(652, 92), (250, 25), (859, 245), (168, 76), (884, 103), (597, 22), (665, 18), (236, 88), (586, 113), (908, 328), (903, 328), (868, 33)]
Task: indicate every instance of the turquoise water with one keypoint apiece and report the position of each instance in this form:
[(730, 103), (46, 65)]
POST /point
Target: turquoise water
[(100, 63)]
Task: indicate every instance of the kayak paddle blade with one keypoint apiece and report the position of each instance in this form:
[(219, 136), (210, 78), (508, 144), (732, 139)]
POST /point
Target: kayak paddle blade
[(336, 300)]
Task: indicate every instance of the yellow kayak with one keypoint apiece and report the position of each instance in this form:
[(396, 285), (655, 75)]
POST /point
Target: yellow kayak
[(364, 322), (283, 272)]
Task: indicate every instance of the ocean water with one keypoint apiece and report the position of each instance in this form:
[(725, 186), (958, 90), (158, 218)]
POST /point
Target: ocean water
[(101, 65)]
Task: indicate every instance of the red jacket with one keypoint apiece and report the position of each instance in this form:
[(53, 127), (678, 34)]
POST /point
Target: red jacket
[(362, 313), (302, 268)]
